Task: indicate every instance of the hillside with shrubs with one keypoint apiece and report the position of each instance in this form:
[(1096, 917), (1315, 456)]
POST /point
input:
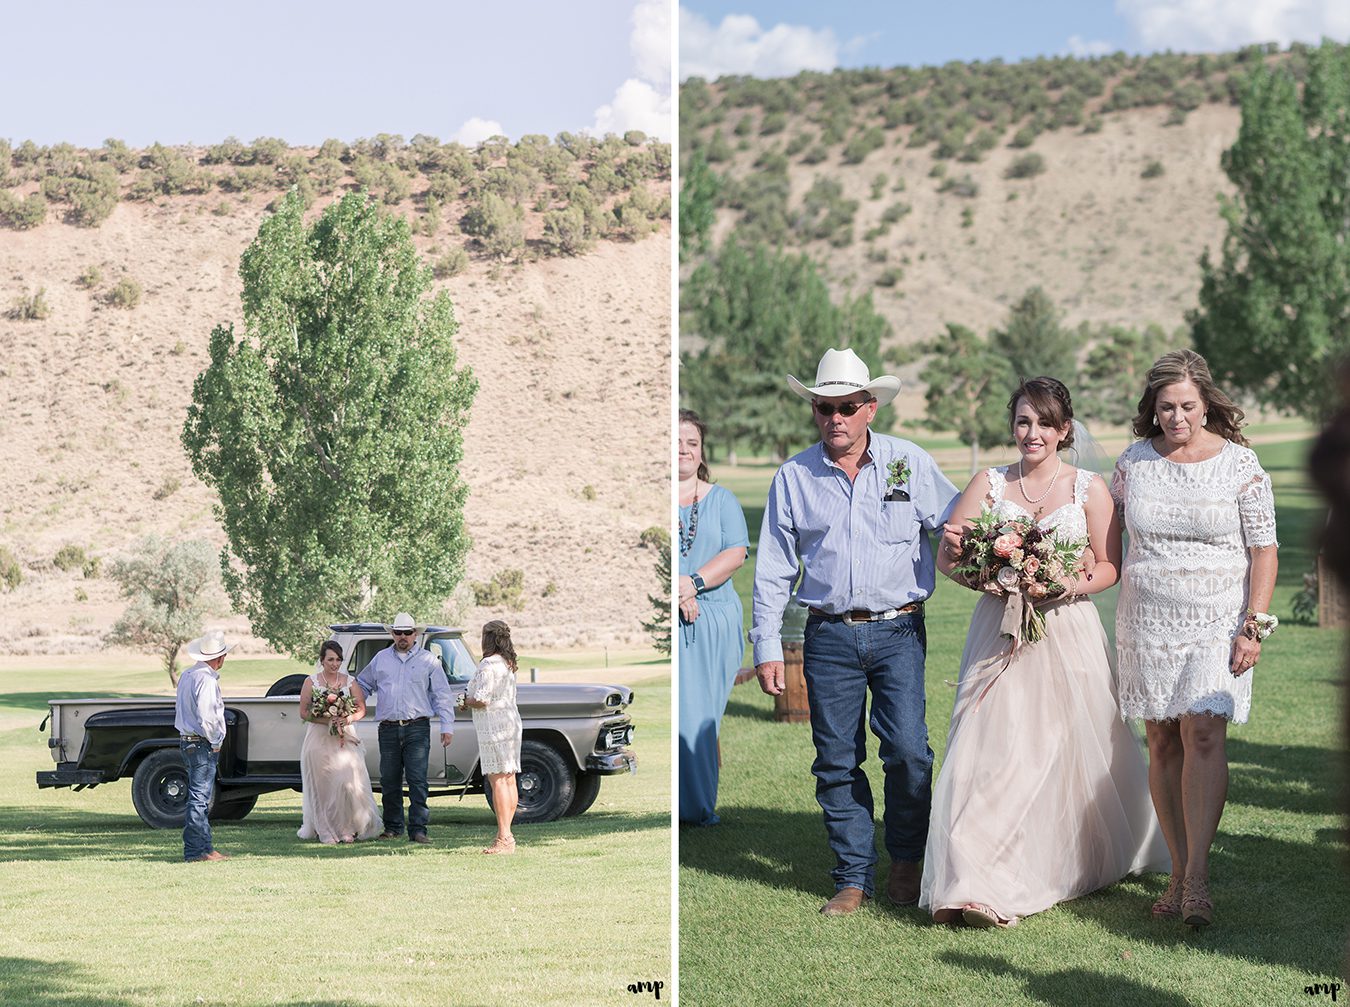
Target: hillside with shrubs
[(945, 195), (116, 264)]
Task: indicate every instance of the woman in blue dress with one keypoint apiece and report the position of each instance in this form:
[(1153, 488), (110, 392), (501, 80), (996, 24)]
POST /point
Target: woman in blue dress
[(712, 543)]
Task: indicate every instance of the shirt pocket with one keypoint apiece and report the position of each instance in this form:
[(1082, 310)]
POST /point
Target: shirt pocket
[(899, 522)]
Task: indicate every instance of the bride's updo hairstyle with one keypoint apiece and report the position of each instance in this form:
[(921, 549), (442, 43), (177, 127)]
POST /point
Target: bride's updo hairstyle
[(497, 640), (328, 645), (1050, 398)]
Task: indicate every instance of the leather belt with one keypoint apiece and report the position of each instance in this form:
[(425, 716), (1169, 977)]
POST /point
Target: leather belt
[(862, 615), (405, 723), (193, 737)]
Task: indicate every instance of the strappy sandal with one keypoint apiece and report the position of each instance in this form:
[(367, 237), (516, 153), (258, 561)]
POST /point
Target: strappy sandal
[(501, 846), (977, 914), (1169, 906), (1196, 908)]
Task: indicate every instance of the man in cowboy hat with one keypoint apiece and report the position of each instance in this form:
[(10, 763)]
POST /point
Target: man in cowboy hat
[(411, 685), (199, 716), (853, 510)]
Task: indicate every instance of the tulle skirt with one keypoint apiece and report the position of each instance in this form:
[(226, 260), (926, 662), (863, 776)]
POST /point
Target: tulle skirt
[(337, 800), (1043, 792)]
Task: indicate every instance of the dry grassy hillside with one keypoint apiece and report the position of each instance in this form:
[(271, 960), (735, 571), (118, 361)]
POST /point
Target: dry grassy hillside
[(572, 356)]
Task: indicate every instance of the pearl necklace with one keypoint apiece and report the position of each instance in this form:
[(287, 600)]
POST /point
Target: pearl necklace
[(1022, 482)]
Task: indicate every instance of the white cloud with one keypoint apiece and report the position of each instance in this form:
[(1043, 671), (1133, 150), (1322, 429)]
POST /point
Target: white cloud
[(740, 46), (1082, 48), (476, 130), (643, 102), (1210, 25)]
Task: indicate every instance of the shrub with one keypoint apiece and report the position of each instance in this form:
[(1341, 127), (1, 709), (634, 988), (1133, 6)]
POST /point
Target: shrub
[(1152, 170), (267, 150), (1024, 137), (1093, 125), (862, 144), (878, 185), (965, 186), (565, 231), (126, 293), (968, 217), (31, 307), (815, 155), (798, 143), (90, 278), (894, 212), (890, 277), (11, 574), (23, 214), (167, 488), (654, 536), (504, 590), (499, 226), (68, 557), (229, 151), (773, 122), (1026, 166), (93, 568), (452, 263)]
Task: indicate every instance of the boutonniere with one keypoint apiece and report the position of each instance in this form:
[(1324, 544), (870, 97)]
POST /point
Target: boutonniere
[(897, 480)]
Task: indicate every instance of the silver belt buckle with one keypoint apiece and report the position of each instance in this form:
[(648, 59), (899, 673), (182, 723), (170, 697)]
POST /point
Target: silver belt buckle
[(847, 618)]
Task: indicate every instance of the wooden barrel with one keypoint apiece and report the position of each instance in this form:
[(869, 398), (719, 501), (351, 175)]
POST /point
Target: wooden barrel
[(1332, 602), (792, 706)]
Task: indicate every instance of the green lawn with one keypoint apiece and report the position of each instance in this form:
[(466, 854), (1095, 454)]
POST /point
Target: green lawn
[(750, 887), (99, 910)]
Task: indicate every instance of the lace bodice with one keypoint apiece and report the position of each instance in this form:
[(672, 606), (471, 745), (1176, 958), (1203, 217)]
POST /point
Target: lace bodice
[(1067, 523), (1185, 577)]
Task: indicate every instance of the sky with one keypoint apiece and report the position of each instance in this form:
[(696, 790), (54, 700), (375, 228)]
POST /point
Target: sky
[(174, 72), (776, 38)]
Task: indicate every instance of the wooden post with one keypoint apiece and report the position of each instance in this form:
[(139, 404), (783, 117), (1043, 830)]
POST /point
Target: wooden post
[(1332, 601)]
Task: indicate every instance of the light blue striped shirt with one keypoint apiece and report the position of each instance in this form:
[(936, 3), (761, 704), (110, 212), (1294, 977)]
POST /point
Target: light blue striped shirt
[(199, 708), (409, 686), (859, 550)]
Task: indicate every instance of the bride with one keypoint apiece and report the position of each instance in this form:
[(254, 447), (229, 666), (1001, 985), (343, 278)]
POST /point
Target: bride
[(337, 803), (1043, 794)]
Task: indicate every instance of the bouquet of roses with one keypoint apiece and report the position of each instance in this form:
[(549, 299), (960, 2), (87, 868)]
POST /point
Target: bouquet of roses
[(1016, 557), (330, 703)]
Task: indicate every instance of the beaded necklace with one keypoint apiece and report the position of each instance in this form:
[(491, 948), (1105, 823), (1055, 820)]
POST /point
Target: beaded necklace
[(687, 541)]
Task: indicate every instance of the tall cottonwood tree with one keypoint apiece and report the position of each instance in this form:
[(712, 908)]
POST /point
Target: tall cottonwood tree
[(969, 382), (1274, 311), (332, 428), (759, 315)]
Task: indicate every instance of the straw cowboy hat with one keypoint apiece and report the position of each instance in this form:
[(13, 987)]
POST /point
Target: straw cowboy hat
[(404, 621), (209, 647), (842, 372)]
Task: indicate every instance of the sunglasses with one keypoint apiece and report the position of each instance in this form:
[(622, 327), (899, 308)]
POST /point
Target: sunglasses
[(404, 632), (828, 409)]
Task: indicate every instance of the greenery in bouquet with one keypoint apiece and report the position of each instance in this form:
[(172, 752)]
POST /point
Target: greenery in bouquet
[(330, 703), (1015, 555)]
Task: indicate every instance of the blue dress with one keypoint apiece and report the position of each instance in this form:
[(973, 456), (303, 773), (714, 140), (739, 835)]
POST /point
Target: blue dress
[(711, 648)]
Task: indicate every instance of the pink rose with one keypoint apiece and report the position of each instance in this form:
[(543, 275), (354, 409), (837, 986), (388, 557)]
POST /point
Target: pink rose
[(332, 697), (1007, 578), (1031, 565), (1005, 544)]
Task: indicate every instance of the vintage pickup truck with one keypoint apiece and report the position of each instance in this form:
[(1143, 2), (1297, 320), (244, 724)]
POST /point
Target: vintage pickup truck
[(574, 736)]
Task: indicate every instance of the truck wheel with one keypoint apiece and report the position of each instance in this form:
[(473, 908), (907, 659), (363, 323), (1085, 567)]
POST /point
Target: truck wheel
[(545, 784), (231, 809), (587, 790), (288, 686), (159, 789)]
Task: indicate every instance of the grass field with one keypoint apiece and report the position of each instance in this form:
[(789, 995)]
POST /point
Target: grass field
[(750, 887), (99, 911)]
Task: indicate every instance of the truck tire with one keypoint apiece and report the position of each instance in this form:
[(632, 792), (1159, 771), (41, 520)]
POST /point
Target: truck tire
[(587, 790), (545, 784), (231, 809), (159, 789), (288, 686)]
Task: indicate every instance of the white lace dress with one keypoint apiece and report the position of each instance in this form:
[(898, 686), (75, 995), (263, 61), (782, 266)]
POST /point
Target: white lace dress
[(1184, 585), (1043, 793), (498, 726)]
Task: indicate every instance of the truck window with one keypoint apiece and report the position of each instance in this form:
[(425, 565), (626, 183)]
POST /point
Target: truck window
[(364, 652), (455, 658)]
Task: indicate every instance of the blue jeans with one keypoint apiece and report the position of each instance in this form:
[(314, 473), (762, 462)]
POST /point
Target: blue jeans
[(842, 663), (201, 769), (404, 750)]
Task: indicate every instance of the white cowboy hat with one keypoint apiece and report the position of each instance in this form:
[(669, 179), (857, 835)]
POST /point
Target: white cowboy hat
[(842, 372), (209, 647), (402, 621)]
